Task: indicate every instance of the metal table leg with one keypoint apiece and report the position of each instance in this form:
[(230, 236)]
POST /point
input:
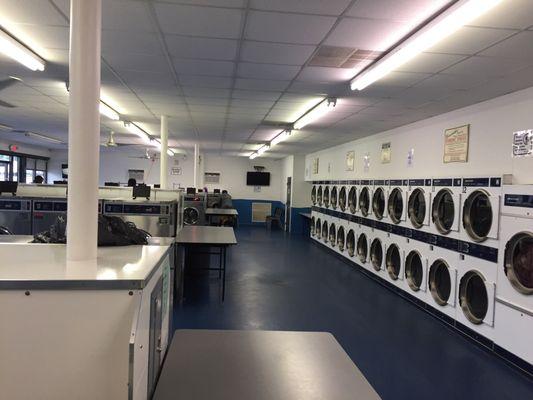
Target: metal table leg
[(223, 248)]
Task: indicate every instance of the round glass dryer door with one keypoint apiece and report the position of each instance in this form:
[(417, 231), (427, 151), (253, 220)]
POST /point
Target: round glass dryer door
[(340, 238), (312, 226), (394, 261), (414, 270), (473, 297), (440, 282), (318, 228), (519, 262), (350, 243), (325, 231), (477, 215), (443, 211), (313, 195), (364, 201), (417, 208), (376, 254), (395, 205), (319, 196), (333, 197), (332, 235), (326, 196), (190, 216), (378, 203), (362, 248), (342, 198), (352, 200)]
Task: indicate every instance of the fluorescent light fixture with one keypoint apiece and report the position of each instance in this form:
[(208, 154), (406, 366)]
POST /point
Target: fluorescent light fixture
[(14, 49), (460, 14), (170, 152), (262, 149), (108, 111), (132, 128), (253, 155), (284, 135), (43, 137), (316, 112)]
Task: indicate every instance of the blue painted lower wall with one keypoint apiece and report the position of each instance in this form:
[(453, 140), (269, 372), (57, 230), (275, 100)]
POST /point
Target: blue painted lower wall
[(244, 208)]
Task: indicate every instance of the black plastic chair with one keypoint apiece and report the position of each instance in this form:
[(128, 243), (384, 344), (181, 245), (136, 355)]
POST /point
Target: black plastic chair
[(276, 218)]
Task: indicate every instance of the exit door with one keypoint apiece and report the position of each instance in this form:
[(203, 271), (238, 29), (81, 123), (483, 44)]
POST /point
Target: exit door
[(288, 205), (4, 171)]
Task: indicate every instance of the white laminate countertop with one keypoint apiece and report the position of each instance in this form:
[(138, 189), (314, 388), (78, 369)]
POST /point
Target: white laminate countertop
[(44, 266)]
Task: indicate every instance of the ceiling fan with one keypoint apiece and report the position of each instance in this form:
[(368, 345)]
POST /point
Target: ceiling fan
[(111, 142), (147, 156), (5, 84)]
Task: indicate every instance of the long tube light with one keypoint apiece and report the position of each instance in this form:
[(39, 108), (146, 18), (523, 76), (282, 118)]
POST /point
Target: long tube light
[(108, 111), (253, 155), (455, 17), (43, 137), (284, 135), (316, 112), (14, 49), (132, 128), (170, 152)]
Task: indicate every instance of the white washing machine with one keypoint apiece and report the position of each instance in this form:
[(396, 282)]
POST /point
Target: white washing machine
[(476, 290), (442, 280), (395, 260), (334, 196), (514, 290), (419, 203), (343, 197), (377, 252), (365, 198), (326, 195), (446, 207), (353, 197), (380, 195), (416, 269), (397, 201), (480, 211), (194, 209)]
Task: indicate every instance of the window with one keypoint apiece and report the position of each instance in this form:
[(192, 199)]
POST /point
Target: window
[(17, 167)]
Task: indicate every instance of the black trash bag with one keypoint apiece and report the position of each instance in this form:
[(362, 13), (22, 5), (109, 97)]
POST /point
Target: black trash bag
[(112, 231)]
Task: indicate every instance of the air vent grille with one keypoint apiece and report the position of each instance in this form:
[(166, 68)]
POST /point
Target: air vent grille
[(343, 57)]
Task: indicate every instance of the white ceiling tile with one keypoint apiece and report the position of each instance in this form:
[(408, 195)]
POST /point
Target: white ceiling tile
[(404, 79), (199, 21), (131, 42), (255, 95), (486, 66), (329, 7), (455, 82), (146, 78), (251, 104), (29, 12), (126, 15), (206, 92), (430, 62), (43, 36), (214, 101), (138, 62), (261, 84), (514, 14), (367, 34), (519, 46), (470, 40), (413, 11), (325, 74), (276, 53), (203, 67), (267, 71), (216, 3), (206, 81), (287, 28), (310, 87), (204, 48)]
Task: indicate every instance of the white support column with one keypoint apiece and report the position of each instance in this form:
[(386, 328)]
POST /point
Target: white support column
[(163, 180), (196, 164), (83, 129)]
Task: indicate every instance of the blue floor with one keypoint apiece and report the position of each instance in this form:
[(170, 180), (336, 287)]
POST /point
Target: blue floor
[(279, 282)]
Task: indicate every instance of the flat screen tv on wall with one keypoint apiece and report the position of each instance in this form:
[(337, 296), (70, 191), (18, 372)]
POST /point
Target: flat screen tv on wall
[(258, 178)]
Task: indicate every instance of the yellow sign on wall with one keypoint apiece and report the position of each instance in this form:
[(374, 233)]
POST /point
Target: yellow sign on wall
[(456, 144)]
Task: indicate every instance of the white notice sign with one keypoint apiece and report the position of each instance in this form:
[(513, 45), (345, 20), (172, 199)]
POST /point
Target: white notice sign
[(385, 153), (456, 144), (523, 143)]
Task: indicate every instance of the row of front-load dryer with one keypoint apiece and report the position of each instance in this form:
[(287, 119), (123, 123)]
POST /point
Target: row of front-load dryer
[(481, 278)]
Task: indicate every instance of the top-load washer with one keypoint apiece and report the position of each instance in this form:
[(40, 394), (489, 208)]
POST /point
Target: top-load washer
[(379, 199), (419, 203), (15, 215), (446, 207), (514, 290), (480, 210)]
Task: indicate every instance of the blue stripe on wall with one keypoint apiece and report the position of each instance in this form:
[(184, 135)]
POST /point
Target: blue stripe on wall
[(299, 225)]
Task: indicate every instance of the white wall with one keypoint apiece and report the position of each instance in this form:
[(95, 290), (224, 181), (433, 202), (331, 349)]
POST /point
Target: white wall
[(233, 176), (25, 148), (114, 167), (492, 124), (301, 190)]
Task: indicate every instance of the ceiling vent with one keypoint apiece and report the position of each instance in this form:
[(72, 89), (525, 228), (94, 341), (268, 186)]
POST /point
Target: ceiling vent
[(342, 57)]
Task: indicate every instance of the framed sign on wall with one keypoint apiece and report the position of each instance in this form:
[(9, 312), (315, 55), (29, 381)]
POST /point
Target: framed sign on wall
[(315, 165), (350, 160), (385, 153), (456, 144)]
